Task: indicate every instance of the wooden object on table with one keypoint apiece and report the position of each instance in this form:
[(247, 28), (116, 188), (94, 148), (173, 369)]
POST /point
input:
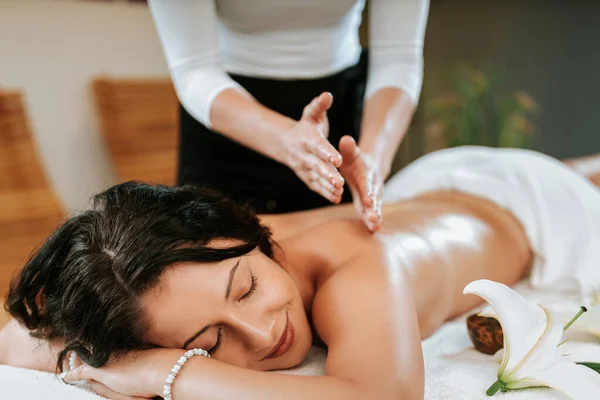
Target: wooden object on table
[(139, 122), (29, 208), (485, 333)]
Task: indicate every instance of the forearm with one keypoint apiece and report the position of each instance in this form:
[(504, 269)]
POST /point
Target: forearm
[(238, 116), (386, 118), (19, 349), (203, 378)]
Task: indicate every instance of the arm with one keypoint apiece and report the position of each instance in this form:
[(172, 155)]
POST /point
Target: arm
[(188, 34), (397, 29), (374, 347), (396, 35), (19, 349), (210, 379)]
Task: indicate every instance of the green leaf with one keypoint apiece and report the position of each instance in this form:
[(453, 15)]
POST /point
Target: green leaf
[(594, 366)]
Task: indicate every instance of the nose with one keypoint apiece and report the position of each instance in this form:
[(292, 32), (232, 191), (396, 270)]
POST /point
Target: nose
[(257, 330)]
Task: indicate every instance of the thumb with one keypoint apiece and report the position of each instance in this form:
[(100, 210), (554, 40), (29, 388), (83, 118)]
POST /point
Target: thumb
[(349, 150), (317, 108)]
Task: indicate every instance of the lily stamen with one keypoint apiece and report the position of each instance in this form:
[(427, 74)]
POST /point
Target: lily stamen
[(575, 318)]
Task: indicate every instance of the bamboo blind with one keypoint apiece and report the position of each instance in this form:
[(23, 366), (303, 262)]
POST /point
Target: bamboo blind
[(29, 209), (138, 119)]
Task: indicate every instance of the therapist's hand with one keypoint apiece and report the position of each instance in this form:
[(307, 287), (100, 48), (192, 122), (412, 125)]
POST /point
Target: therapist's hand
[(306, 150), (365, 180)]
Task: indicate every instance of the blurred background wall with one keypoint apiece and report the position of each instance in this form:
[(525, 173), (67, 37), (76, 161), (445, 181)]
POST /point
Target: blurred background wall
[(547, 48), (51, 50)]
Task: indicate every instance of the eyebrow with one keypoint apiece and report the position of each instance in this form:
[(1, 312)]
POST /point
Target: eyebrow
[(231, 275), (190, 340), (227, 294)]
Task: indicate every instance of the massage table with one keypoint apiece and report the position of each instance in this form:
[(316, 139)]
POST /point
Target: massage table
[(453, 369)]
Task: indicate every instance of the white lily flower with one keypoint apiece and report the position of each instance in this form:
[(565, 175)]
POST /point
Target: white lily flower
[(532, 334)]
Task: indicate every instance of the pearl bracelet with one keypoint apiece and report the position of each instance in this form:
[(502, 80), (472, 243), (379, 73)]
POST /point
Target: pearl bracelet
[(175, 370), (72, 366)]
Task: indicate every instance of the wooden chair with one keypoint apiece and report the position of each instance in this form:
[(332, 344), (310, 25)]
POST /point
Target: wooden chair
[(29, 209), (138, 119)]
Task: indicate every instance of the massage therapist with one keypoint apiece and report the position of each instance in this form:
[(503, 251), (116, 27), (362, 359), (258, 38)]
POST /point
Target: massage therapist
[(268, 89)]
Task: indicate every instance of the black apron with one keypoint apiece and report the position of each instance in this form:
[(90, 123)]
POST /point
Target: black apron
[(210, 159)]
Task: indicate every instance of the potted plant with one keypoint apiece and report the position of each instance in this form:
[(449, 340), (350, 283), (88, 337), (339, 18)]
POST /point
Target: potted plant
[(476, 111)]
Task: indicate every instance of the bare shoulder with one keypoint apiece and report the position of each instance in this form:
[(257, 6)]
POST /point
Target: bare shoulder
[(287, 225), (365, 313), (332, 242)]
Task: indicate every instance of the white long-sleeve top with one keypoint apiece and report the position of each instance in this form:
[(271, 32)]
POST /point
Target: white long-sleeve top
[(203, 40)]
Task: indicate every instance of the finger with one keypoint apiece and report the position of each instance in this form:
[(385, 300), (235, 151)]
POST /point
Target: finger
[(316, 109), (107, 392), (338, 192), (355, 170), (364, 185), (372, 201), (325, 151), (373, 221), (349, 150), (334, 194), (317, 184), (325, 188), (326, 171), (374, 214), (317, 180), (82, 373)]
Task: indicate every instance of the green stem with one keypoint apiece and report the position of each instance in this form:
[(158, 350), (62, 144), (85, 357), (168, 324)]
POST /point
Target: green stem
[(583, 309), (495, 387)]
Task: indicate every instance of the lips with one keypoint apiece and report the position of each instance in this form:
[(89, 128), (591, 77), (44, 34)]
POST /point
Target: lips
[(285, 342)]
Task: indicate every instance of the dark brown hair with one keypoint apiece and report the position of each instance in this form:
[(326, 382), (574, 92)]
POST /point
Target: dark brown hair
[(84, 284)]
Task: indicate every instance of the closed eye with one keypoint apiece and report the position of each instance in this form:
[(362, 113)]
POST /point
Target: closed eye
[(252, 288), (217, 345), (214, 349)]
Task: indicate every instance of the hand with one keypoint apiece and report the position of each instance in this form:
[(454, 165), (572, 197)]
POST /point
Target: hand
[(139, 375), (365, 181), (306, 150)]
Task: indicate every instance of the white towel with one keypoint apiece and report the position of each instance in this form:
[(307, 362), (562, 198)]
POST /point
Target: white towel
[(558, 208)]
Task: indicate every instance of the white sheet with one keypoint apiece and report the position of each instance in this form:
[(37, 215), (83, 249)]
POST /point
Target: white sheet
[(453, 370)]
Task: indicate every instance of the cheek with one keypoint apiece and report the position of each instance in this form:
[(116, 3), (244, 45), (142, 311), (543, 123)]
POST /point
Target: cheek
[(281, 287), (234, 353)]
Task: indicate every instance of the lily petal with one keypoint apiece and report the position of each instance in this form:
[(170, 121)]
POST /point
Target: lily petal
[(543, 352), (488, 312), (575, 381), (522, 324)]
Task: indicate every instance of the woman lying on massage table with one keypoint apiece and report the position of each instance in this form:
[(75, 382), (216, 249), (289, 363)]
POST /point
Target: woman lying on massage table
[(152, 271)]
